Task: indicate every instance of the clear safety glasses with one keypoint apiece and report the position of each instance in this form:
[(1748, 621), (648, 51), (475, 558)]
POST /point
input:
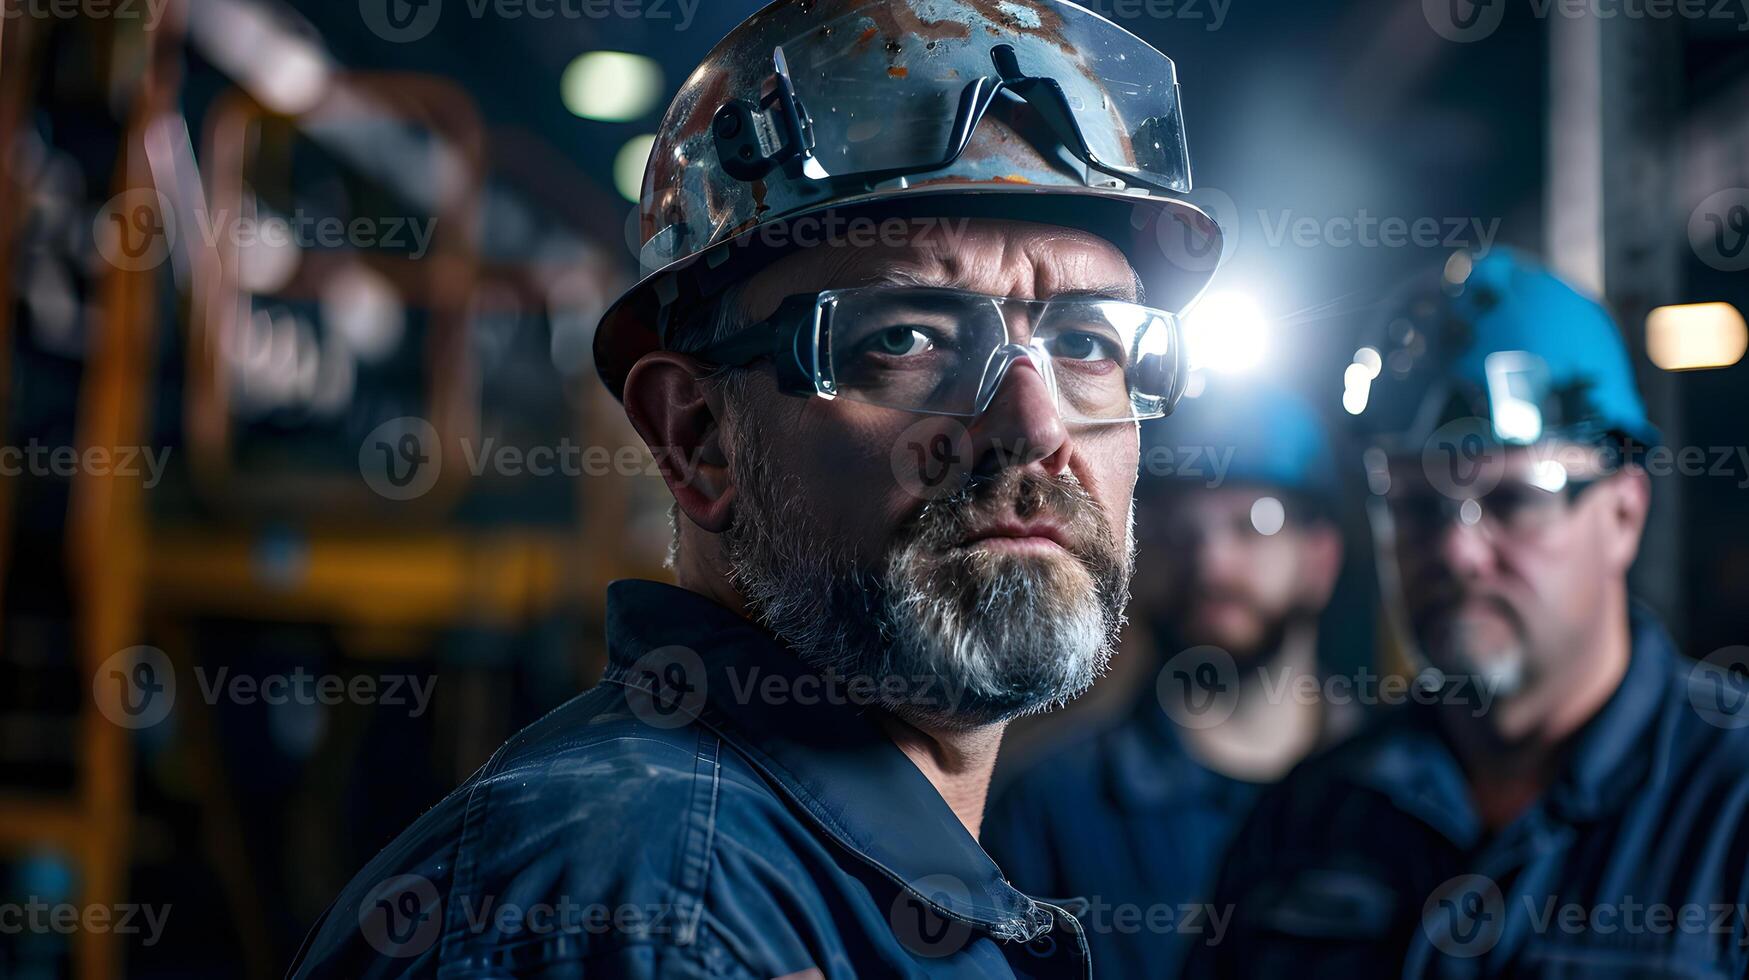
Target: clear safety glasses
[(946, 352), (1516, 509)]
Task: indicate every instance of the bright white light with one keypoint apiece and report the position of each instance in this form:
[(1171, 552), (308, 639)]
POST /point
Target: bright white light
[(289, 75), (1268, 515), (1357, 380), (1518, 421), (363, 312), (267, 261), (1549, 475), (628, 165), (1226, 332), (1368, 359), (1458, 268), (611, 86), (1470, 512), (1696, 335)]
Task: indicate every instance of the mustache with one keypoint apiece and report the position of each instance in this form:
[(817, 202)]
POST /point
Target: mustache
[(946, 520), (1447, 599)]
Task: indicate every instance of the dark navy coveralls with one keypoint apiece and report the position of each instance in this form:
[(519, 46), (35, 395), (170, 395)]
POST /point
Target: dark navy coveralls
[(1125, 819), (1370, 860), (780, 832)]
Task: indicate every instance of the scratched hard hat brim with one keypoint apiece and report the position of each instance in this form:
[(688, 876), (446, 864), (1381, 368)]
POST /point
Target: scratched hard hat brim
[(1173, 246)]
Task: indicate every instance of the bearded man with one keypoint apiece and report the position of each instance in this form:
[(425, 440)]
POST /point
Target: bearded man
[(891, 360)]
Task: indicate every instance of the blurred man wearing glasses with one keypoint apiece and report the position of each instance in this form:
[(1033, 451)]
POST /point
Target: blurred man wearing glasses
[(1590, 820)]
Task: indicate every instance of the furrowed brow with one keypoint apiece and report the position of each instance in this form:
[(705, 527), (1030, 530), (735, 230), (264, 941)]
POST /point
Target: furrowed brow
[(911, 277), (1126, 292)]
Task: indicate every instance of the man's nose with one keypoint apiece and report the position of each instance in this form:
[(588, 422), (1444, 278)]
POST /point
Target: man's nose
[(1464, 549), (1021, 425), (1217, 556)]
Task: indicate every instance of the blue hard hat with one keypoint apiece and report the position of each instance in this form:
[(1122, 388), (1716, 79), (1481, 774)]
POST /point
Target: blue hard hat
[(1499, 337), (1262, 433)]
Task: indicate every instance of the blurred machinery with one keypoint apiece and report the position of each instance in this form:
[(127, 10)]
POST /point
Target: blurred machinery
[(234, 347)]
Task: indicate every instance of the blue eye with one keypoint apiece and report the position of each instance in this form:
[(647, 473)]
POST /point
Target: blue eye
[(1078, 346), (900, 342)]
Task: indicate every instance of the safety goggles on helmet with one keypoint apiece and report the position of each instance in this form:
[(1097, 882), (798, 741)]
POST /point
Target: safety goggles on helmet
[(945, 351), (1113, 104)]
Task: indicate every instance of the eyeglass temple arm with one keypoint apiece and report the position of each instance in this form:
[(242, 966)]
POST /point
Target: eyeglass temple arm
[(778, 337)]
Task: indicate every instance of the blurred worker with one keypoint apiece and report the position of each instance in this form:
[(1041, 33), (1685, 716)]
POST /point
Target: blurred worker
[(1571, 798), (891, 362), (1239, 554)]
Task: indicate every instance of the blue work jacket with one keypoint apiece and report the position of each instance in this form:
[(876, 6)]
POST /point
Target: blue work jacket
[(1370, 860), (711, 809)]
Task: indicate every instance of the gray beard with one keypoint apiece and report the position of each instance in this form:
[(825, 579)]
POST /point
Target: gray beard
[(934, 634)]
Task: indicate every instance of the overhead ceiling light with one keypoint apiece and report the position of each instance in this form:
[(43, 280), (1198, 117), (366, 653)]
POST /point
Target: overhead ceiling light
[(611, 86), (628, 165), (1695, 336)]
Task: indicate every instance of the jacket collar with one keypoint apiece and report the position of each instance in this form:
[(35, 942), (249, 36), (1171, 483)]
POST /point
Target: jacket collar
[(831, 760), (1621, 751)]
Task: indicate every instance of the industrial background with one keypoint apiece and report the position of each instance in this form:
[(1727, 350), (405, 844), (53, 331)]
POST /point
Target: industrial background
[(308, 494)]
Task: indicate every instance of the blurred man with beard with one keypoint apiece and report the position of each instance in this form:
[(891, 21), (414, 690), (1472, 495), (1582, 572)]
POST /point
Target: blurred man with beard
[(1567, 797), (1239, 551), (890, 358)]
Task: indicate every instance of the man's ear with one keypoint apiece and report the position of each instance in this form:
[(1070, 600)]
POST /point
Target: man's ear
[(681, 421), (1320, 563), (1629, 501)]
